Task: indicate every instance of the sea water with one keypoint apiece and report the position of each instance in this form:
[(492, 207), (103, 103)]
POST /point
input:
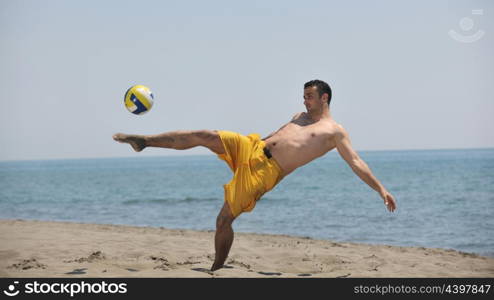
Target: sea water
[(445, 197)]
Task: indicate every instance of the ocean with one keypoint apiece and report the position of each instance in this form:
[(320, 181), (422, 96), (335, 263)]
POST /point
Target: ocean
[(445, 197)]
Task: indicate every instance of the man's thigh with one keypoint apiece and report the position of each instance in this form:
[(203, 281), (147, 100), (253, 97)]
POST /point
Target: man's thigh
[(211, 140)]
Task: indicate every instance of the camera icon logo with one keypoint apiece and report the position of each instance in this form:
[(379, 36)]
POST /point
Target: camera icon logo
[(466, 24), (11, 290)]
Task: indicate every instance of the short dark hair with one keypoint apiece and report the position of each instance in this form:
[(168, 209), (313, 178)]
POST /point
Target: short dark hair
[(322, 87)]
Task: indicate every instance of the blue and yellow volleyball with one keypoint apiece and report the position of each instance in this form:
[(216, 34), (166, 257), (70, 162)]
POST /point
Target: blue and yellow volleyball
[(139, 99)]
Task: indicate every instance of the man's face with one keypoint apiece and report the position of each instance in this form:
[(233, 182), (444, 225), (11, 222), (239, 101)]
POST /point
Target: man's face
[(311, 98)]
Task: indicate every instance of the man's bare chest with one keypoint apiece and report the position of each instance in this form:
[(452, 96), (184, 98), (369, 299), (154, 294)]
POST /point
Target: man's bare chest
[(318, 135)]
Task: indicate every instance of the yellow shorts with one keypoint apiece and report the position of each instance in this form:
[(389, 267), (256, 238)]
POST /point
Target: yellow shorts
[(254, 173)]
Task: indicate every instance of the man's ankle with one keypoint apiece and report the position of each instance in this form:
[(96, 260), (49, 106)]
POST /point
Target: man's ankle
[(216, 266)]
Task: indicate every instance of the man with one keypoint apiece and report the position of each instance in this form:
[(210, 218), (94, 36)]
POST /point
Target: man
[(259, 164)]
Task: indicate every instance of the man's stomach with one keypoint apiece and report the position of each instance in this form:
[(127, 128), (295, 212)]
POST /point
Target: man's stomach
[(291, 155)]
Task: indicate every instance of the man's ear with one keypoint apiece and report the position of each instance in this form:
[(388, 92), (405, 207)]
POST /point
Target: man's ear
[(325, 97)]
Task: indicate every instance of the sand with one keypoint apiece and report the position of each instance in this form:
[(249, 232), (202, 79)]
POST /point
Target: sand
[(61, 249)]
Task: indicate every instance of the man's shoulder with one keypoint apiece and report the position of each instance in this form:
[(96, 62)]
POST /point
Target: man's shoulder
[(338, 130), (339, 127), (298, 115)]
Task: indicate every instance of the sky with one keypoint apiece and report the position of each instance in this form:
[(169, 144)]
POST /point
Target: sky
[(402, 72)]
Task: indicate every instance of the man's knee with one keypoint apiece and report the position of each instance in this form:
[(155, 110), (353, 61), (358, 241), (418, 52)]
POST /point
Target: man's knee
[(223, 222), (225, 218), (206, 135)]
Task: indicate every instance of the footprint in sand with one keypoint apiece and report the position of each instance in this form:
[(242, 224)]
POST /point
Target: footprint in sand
[(95, 256), (270, 273), (163, 263), (238, 263), (132, 270), (28, 264), (77, 272)]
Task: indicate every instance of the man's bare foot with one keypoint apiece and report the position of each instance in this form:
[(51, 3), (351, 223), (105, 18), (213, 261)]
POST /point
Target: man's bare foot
[(137, 142)]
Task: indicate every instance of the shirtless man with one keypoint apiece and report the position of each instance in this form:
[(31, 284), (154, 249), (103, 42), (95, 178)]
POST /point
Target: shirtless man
[(259, 164)]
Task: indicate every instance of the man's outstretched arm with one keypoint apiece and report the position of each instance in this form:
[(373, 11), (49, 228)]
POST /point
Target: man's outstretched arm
[(359, 167)]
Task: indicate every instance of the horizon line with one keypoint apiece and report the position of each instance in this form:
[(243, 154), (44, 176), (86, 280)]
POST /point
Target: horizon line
[(190, 155)]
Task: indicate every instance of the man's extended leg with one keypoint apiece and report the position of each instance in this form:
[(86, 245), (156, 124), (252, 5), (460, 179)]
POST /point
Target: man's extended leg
[(179, 140), (223, 238)]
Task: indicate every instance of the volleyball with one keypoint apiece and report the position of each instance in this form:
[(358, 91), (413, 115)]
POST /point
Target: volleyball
[(139, 99)]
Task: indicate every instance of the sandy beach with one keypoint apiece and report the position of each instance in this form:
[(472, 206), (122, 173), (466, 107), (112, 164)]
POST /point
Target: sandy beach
[(61, 249)]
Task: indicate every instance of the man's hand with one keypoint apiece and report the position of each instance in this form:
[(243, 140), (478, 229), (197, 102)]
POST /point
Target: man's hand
[(389, 201)]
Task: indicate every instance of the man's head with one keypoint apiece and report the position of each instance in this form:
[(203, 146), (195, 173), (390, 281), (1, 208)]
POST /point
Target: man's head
[(319, 89)]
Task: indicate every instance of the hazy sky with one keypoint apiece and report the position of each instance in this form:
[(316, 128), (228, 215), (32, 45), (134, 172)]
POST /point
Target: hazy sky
[(400, 81)]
